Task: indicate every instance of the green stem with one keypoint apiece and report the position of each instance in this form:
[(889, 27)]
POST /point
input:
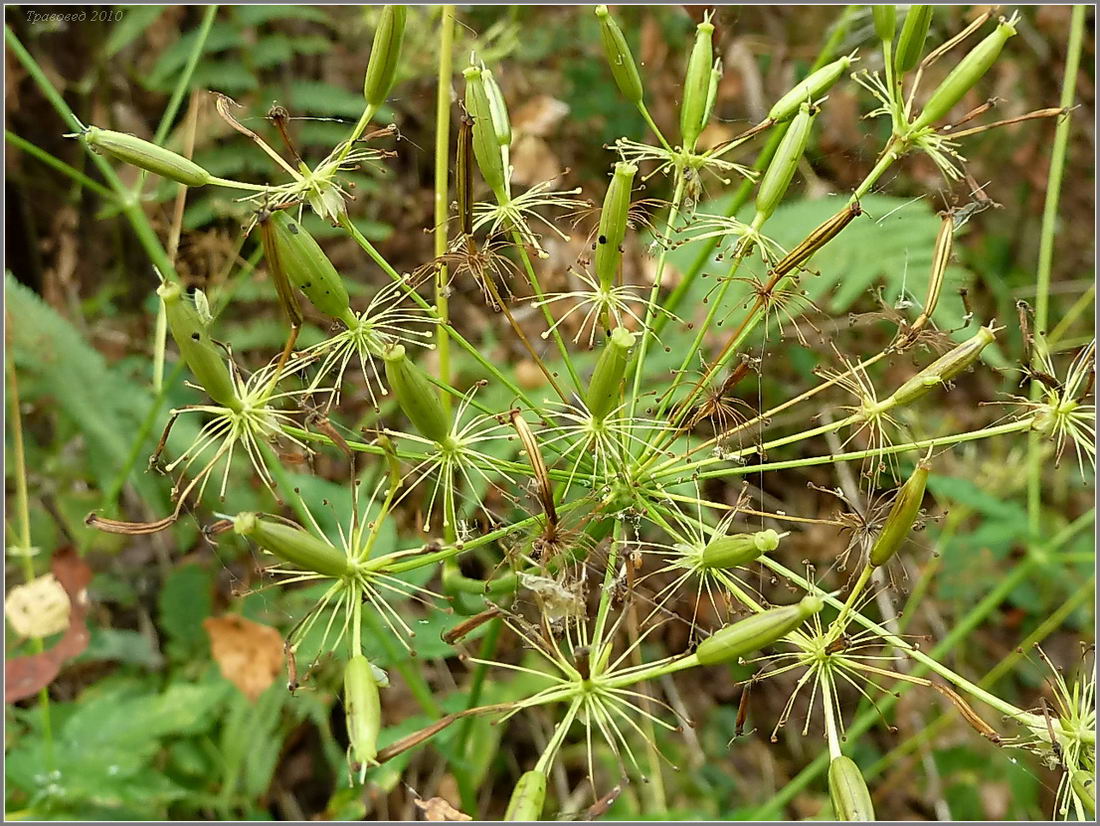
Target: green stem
[(890, 450), (536, 288), (647, 331), (1046, 253), (442, 157), (59, 165)]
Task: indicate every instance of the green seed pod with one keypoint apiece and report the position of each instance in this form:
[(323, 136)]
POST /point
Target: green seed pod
[(753, 633), (416, 395), (613, 218), (885, 18), (619, 58), (945, 368), (384, 54), (914, 31), (202, 356), (712, 89), (607, 378), (362, 710), (487, 148), (1084, 786), (903, 515), (146, 155), (498, 110), (848, 790), (292, 544), (963, 77), (527, 797), (288, 246), (773, 186), (739, 549), (810, 88), (693, 107)]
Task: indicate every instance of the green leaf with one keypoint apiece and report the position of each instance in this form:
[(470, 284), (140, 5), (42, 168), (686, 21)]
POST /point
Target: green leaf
[(183, 603), (58, 365), (135, 20), (255, 15), (121, 645)]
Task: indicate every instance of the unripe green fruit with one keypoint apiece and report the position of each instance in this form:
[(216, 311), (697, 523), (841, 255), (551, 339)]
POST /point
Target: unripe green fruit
[(362, 710), (697, 82), (780, 171), (292, 544), (202, 356), (613, 220), (809, 88), (384, 55), (739, 549), (487, 148), (415, 394), (288, 246), (605, 387), (623, 67), (848, 791), (903, 515), (146, 155), (527, 797), (755, 632), (914, 31)]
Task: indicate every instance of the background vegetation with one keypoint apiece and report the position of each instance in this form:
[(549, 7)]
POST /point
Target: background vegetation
[(148, 721)]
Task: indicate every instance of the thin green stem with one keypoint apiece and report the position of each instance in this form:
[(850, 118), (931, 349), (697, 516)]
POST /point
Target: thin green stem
[(59, 165), (442, 157), (1046, 253)]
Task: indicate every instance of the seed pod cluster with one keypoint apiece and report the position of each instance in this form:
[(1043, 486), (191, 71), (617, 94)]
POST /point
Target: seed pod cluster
[(903, 515), (528, 796), (739, 549), (297, 257), (697, 85), (848, 791), (810, 88), (914, 31), (292, 544), (202, 356), (146, 155), (362, 711), (487, 148), (755, 632), (964, 76), (773, 186), (606, 384), (624, 69), (384, 55), (418, 399), (613, 220)]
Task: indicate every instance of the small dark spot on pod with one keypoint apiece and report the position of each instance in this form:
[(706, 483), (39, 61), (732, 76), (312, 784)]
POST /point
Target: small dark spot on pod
[(293, 227), (196, 336), (602, 239)]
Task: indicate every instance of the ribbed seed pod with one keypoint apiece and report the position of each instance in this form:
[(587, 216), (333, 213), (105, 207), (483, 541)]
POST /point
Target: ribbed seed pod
[(418, 398), (384, 55), (903, 515), (623, 67), (487, 149), (527, 797), (914, 31), (773, 186), (964, 76), (753, 633), (739, 549), (848, 791), (202, 356), (885, 18), (945, 368), (1084, 785), (498, 110), (292, 544), (613, 218), (810, 88), (145, 155), (287, 245), (362, 710), (712, 89), (693, 107), (607, 378)]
